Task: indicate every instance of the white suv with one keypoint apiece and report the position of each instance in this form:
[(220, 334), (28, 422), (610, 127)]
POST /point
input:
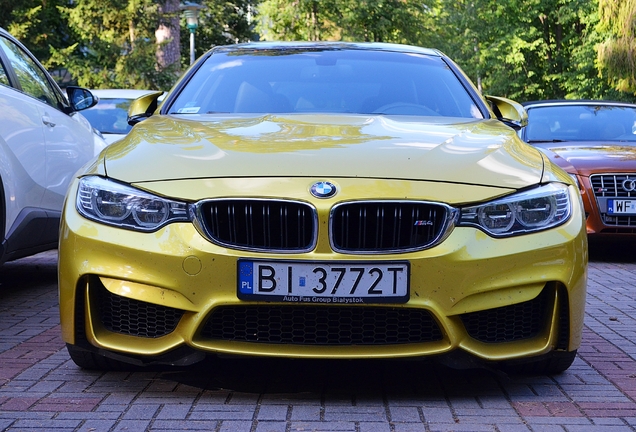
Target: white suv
[(43, 142)]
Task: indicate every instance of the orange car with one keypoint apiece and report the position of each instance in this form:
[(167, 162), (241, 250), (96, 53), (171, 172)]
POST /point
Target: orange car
[(595, 142)]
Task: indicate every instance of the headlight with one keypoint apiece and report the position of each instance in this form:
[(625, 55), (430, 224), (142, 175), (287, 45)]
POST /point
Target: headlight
[(533, 210), (119, 205), (576, 180)]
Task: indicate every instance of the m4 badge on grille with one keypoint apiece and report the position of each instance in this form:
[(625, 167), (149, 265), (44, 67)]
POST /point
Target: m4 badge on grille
[(423, 223)]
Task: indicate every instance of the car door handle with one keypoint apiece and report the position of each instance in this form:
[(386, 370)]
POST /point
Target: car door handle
[(47, 121)]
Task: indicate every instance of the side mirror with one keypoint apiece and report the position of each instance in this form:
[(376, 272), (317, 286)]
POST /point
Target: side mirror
[(509, 112), (80, 98), (143, 107)]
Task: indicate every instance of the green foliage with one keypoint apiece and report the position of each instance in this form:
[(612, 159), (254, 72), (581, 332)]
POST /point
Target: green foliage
[(617, 53), (522, 49), (526, 49), (399, 21), (36, 23), (220, 23), (116, 47), (112, 43), (308, 20)]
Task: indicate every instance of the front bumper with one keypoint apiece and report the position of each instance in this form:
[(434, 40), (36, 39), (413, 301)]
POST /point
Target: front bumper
[(148, 295)]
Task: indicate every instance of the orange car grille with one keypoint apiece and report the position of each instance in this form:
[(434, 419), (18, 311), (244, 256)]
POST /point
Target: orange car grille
[(611, 185), (357, 227), (619, 186)]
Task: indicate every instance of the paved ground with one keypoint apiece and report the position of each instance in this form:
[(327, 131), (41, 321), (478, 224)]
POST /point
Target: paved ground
[(41, 389)]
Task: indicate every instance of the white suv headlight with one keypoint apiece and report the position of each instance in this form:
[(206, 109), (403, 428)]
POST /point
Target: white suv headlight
[(526, 212), (123, 206)]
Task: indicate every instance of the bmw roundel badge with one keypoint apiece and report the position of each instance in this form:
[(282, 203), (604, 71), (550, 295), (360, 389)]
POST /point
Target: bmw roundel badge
[(323, 189)]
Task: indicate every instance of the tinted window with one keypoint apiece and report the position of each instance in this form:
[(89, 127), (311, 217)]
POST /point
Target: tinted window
[(4, 79), (329, 81), (110, 116), (581, 123), (31, 77)]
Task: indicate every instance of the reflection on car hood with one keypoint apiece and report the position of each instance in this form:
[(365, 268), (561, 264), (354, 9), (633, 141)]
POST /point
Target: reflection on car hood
[(589, 157), (483, 152), (111, 137)]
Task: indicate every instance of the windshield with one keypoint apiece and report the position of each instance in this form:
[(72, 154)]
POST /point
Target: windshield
[(109, 116), (581, 123), (325, 81)]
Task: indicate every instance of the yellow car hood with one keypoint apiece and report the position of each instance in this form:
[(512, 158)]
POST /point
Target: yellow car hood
[(483, 152)]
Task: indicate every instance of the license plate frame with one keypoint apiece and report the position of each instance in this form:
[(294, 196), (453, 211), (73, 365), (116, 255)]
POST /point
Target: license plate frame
[(325, 282), (615, 207)]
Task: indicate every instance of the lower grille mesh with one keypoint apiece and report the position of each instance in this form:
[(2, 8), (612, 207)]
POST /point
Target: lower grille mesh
[(509, 323), (309, 325), (133, 317)]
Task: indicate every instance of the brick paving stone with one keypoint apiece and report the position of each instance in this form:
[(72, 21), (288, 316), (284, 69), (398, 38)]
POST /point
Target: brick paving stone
[(92, 425), (273, 412), (306, 413), (409, 427), (460, 427), (405, 414), (220, 413), (271, 426), (438, 415), (334, 426), (374, 427), (131, 425), (18, 403), (342, 413), (141, 412), (174, 411), (235, 426), (187, 425)]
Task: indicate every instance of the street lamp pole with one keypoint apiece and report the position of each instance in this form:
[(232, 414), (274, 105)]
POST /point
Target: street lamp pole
[(191, 12)]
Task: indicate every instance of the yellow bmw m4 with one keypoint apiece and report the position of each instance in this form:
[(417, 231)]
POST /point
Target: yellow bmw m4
[(323, 200)]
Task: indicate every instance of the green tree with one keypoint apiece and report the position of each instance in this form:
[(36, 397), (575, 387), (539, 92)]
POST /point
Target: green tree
[(399, 21), (307, 20), (220, 23), (617, 53), (526, 49), (36, 23), (116, 45)]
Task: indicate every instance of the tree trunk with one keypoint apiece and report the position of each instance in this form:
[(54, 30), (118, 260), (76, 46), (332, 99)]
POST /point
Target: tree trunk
[(167, 34)]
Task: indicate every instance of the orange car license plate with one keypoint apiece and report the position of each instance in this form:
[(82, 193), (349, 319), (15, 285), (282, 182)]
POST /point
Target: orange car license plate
[(621, 207)]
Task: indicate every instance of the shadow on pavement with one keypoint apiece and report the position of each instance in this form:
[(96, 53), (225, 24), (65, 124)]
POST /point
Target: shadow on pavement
[(28, 273), (618, 250), (285, 376)]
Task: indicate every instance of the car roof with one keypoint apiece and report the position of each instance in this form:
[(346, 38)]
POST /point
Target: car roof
[(292, 46), (566, 102), (120, 93)]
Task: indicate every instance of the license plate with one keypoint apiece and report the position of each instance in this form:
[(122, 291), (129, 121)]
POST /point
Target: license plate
[(324, 282), (619, 207)]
